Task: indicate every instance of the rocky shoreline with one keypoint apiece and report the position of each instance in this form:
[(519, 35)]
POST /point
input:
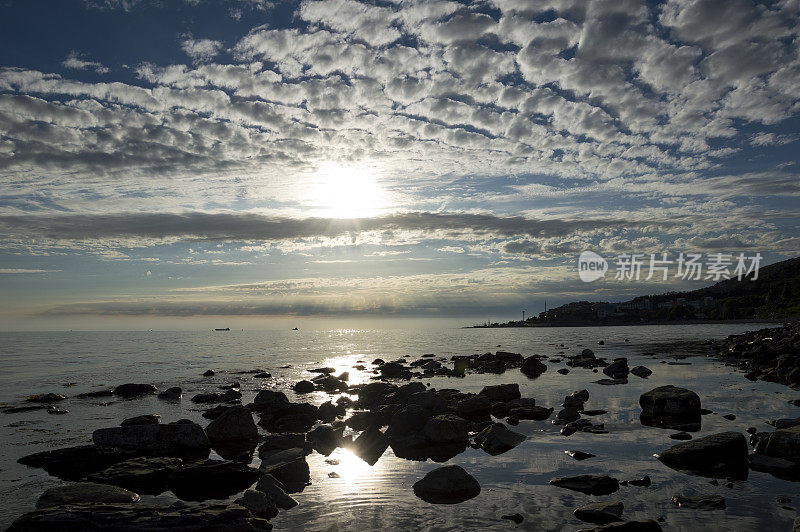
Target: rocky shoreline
[(104, 478)]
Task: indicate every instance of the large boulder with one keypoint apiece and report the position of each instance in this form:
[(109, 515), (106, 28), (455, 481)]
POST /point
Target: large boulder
[(74, 463), (258, 503), (588, 484), (274, 443), (475, 407), (276, 492), (303, 386), (783, 443), (234, 425), (137, 517), (501, 392), (269, 399), (212, 479), (289, 417), (670, 401), (718, 455), (180, 438), (131, 390), (497, 439), (148, 475), (370, 445), (618, 369), (447, 485), (325, 439), (85, 492), (446, 428)]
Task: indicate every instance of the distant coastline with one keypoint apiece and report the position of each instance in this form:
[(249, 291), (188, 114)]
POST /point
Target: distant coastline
[(522, 325)]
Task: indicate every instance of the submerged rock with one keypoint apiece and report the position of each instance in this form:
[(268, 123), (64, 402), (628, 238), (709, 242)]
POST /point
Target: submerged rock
[(129, 517), (718, 455), (148, 475), (146, 419), (600, 513), (131, 390), (85, 492), (447, 485), (212, 479), (74, 463), (589, 484), (46, 398), (699, 502), (171, 394)]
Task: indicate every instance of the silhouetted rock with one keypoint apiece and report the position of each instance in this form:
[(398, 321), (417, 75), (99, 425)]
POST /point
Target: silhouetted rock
[(501, 392), (234, 425), (212, 479), (85, 492), (146, 419), (589, 484), (641, 371), (370, 445), (290, 468), (45, 398), (171, 394), (276, 492), (617, 369), (532, 367), (131, 390), (579, 455), (699, 502), (303, 386), (324, 439), (447, 485), (180, 438), (718, 455), (148, 475), (497, 439), (600, 513), (74, 463)]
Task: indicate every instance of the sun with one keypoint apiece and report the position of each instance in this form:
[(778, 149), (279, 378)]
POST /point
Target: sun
[(338, 191)]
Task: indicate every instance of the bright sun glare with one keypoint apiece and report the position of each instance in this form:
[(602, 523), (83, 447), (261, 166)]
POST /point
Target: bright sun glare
[(347, 192)]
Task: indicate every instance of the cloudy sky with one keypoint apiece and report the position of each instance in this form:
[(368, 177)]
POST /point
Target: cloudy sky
[(173, 162)]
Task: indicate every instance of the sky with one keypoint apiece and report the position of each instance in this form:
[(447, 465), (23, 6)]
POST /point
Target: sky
[(174, 164)]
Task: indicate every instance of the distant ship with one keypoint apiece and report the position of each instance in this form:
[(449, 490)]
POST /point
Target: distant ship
[(225, 329)]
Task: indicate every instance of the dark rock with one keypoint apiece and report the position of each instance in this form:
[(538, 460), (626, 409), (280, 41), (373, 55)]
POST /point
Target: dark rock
[(289, 417), (131, 390), (262, 375), (627, 526), (130, 517), (19, 409), (146, 419), (476, 407), (325, 439), (611, 382), (392, 369), (290, 468), (212, 479), (783, 443), (446, 428), (600, 513), (641, 371), (269, 399), (497, 439), (209, 373), (579, 455), (598, 412), (274, 443), (718, 455), (699, 502), (215, 412), (536, 413), (617, 369), (45, 398), (569, 414), (74, 463), (562, 371), (362, 420), (258, 503), (588, 484), (670, 401), (173, 439), (54, 410), (784, 423), (501, 392), (516, 518), (95, 394), (148, 475), (85, 492), (328, 412), (234, 425), (681, 436), (643, 482), (532, 367), (370, 445), (777, 467), (447, 485), (304, 386), (276, 492), (171, 394), (729, 417)]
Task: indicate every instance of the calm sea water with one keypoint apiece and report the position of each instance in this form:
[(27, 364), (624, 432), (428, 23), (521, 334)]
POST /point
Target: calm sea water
[(380, 497)]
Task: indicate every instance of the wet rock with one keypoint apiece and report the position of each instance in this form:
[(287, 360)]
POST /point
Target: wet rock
[(784, 423), (173, 439), (783, 443), (85, 492), (215, 412), (643, 482), (95, 394), (618, 369), (579, 455), (330, 384), (45, 398), (777, 467), (532, 367), (516, 518), (501, 392), (131, 390), (274, 443), (325, 439), (627, 526), (699, 502), (268, 400), (146, 419), (681, 436), (598, 412), (148, 475), (19, 409), (262, 375), (611, 382), (729, 417), (276, 492), (588, 484), (290, 468), (327, 412), (536, 413), (171, 394), (476, 407), (74, 463), (258, 503), (670, 401), (641, 371), (446, 428), (569, 414), (209, 373), (718, 455), (562, 371), (370, 445), (447, 485), (600, 513), (497, 439), (234, 425), (304, 386), (129, 517), (212, 479), (359, 421), (54, 410), (289, 417), (392, 370)]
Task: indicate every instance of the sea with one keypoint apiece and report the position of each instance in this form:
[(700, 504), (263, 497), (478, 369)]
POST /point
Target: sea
[(380, 497)]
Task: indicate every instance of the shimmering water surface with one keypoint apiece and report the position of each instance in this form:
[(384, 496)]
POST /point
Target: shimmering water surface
[(380, 497)]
